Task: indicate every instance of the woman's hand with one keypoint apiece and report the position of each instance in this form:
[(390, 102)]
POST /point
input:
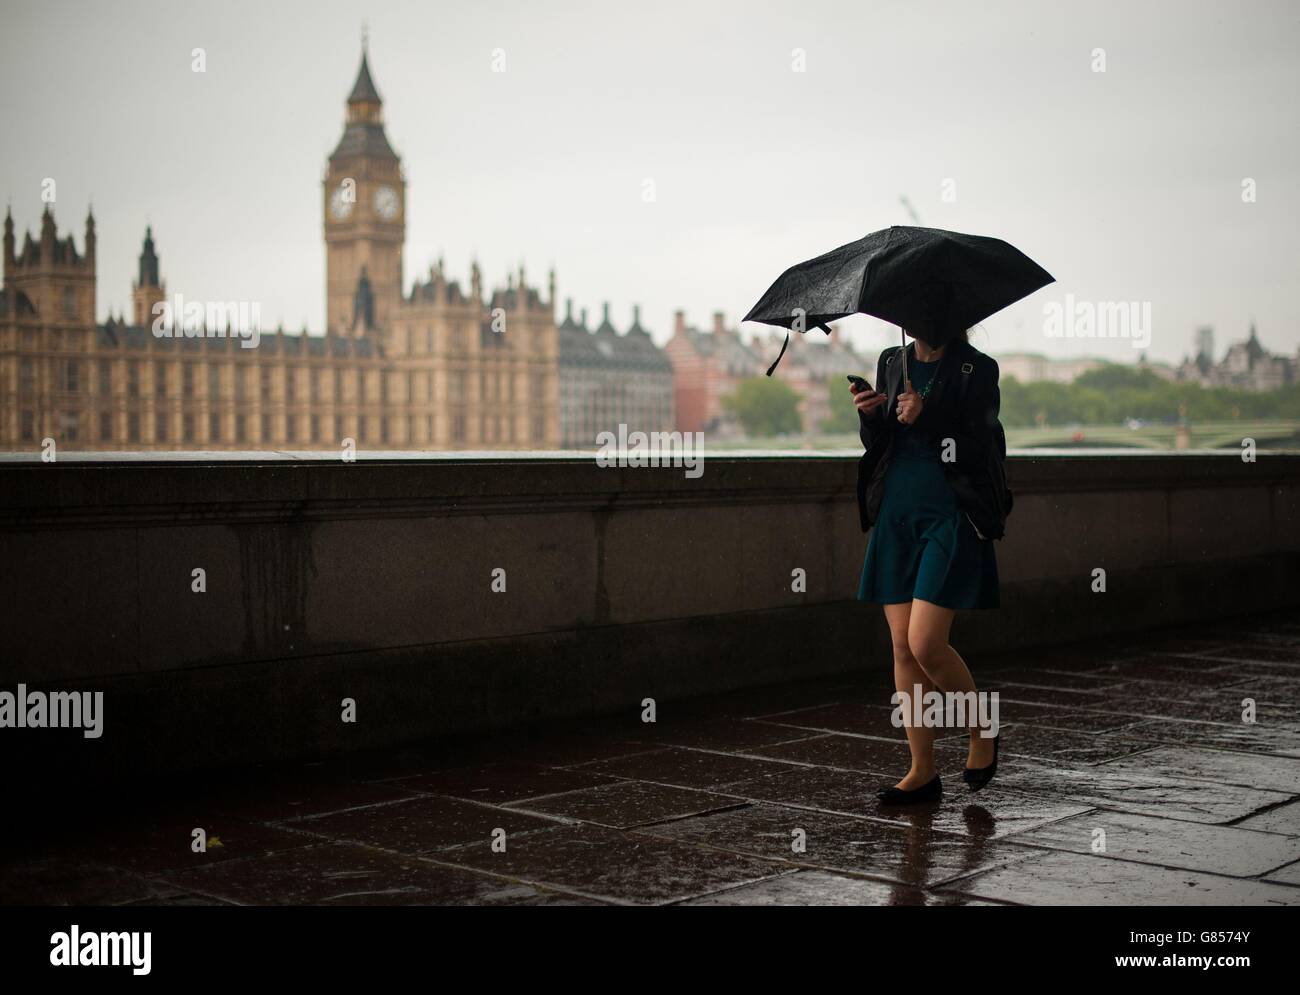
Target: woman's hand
[(867, 401), (910, 406)]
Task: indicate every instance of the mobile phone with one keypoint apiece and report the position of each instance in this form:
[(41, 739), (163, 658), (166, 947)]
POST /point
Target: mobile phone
[(859, 383)]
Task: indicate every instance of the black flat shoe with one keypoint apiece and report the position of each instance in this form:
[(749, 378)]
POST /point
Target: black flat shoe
[(978, 777), (903, 796)]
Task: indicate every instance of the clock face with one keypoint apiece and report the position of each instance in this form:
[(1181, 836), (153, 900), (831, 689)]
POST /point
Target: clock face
[(341, 201), (386, 203)]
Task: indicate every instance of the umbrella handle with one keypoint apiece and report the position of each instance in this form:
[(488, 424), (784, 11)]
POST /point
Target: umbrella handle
[(907, 380)]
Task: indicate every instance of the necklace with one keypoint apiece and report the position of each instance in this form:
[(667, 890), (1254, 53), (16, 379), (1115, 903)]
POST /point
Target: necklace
[(924, 392)]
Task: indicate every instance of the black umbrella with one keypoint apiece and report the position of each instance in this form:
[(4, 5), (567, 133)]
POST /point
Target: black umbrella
[(929, 281)]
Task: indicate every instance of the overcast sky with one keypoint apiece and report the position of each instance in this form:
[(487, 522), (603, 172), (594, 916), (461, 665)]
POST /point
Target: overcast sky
[(1125, 184)]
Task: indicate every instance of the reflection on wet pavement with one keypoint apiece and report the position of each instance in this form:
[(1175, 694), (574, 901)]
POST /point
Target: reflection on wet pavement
[(1130, 775)]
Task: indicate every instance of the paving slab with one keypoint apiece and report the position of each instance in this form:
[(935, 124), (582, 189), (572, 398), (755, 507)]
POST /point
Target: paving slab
[(70, 880), (729, 734), (504, 782), (821, 888), (844, 717), (1279, 819), (685, 767), (1221, 766), (1168, 843), (1045, 743), (158, 846), (1044, 678), (292, 798), (993, 814), (1257, 738), (904, 854), (1117, 789), (346, 874), (421, 825), (1073, 879), (884, 757), (626, 804), (1285, 875), (630, 868), (1078, 718)]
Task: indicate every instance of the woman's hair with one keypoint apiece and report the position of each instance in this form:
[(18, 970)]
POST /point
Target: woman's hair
[(954, 335)]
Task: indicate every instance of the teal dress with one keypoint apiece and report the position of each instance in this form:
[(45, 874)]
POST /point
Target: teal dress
[(923, 546)]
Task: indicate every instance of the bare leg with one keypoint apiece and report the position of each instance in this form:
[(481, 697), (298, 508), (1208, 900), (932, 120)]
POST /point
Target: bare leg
[(927, 637), (907, 675)]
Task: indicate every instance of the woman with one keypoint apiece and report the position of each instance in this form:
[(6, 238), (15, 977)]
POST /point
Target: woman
[(928, 431)]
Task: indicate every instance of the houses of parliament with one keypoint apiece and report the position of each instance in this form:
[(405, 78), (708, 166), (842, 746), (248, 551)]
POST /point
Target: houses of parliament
[(440, 367)]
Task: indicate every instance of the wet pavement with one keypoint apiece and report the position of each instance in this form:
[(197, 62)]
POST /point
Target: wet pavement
[(1128, 777)]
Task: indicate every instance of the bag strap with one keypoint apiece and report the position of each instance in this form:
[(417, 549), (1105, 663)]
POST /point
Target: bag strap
[(966, 370)]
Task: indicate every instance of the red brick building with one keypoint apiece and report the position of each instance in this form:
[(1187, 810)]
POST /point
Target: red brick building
[(707, 366)]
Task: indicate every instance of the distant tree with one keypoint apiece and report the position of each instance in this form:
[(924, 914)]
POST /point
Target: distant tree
[(844, 416), (764, 407), (1114, 393)]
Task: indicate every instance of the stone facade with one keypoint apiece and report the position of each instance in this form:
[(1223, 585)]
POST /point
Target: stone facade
[(1246, 365), (440, 368), (609, 379)]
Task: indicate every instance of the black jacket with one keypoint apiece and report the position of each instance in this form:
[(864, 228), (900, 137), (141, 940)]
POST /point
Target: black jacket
[(970, 421)]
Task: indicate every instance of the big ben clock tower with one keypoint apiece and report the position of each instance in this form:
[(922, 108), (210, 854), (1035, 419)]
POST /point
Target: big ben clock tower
[(365, 217)]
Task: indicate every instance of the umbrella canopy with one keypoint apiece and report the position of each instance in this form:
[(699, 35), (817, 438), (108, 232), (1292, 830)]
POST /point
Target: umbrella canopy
[(929, 281)]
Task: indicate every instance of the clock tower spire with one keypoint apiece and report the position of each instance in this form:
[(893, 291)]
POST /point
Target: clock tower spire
[(365, 211)]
